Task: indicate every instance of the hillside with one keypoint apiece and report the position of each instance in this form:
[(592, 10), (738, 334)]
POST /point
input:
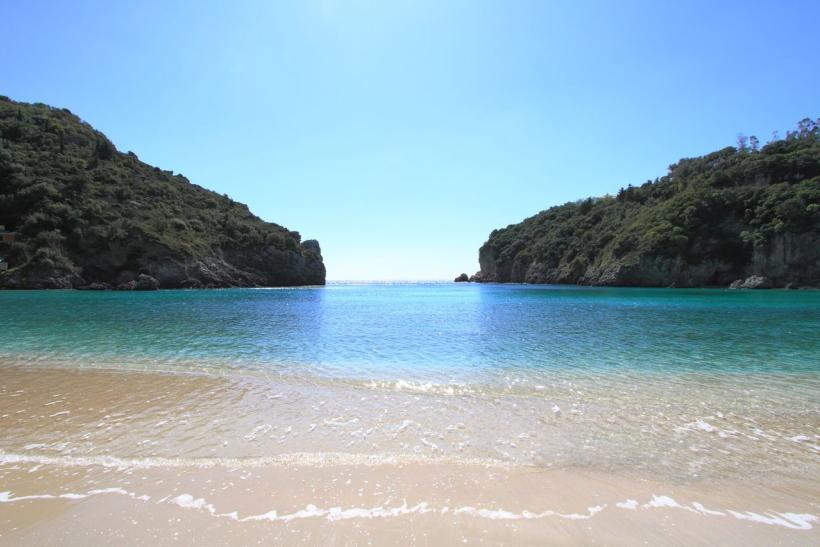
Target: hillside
[(85, 214), (713, 220)]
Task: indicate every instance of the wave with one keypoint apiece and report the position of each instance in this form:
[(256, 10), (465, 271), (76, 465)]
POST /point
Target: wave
[(790, 520), (300, 459)]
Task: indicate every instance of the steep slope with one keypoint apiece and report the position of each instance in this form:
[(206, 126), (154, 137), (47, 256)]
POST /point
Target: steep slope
[(732, 214), (84, 213)]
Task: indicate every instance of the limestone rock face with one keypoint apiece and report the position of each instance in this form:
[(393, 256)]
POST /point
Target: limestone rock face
[(752, 282), (769, 269), (490, 265)]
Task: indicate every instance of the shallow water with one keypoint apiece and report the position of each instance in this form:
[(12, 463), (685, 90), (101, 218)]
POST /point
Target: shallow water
[(475, 334), (534, 375), (683, 387)]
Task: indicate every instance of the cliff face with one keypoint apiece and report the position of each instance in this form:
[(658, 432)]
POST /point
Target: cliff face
[(712, 220), (84, 214)]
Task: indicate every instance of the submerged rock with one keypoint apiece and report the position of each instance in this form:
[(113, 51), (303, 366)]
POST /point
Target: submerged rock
[(94, 287)]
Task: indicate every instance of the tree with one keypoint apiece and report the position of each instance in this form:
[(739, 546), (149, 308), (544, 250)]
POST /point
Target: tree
[(104, 150), (806, 128), (753, 143), (741, 142)]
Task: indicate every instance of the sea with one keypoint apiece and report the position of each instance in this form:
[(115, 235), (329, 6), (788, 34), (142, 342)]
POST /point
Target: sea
[(679, 386)]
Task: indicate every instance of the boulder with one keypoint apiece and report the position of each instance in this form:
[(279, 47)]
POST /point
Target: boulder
[(146, 283), (462, 278)]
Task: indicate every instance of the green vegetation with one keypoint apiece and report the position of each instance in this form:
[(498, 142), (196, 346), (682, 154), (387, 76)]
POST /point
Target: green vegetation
[(733, 213), (85, 213)]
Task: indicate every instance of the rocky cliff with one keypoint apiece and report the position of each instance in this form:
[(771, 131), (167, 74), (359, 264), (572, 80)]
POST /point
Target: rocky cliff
[(83, 214), (734, 214)]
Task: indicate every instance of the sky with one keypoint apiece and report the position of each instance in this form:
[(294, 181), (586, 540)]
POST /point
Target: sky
[(400, 134)]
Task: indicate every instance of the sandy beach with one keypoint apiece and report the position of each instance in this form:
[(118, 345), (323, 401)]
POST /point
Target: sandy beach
[(433, 503), (101, 456)]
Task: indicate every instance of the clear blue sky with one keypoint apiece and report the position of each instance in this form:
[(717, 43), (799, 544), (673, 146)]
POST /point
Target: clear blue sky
[(399, 134)]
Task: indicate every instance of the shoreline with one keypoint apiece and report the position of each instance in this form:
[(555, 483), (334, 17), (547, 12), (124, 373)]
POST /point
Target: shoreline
[(432, 503), (532, 285), (212, 459)]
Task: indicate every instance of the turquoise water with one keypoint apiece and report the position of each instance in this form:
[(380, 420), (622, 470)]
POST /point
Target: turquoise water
[(432, 332), (681, 384)]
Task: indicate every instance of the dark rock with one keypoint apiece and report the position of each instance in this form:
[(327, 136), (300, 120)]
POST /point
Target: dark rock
[(476, 278), (462, 278), (146, 283), (130, 286), (125, 276), (40, 278), (791, 286), (313, 246)]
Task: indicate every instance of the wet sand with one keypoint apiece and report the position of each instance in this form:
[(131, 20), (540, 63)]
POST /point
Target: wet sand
[(121, 457), (405, 503)]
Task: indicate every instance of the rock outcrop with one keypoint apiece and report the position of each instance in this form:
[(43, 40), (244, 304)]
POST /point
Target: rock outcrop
[(88, 216), (461, 278), (752, 282)]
